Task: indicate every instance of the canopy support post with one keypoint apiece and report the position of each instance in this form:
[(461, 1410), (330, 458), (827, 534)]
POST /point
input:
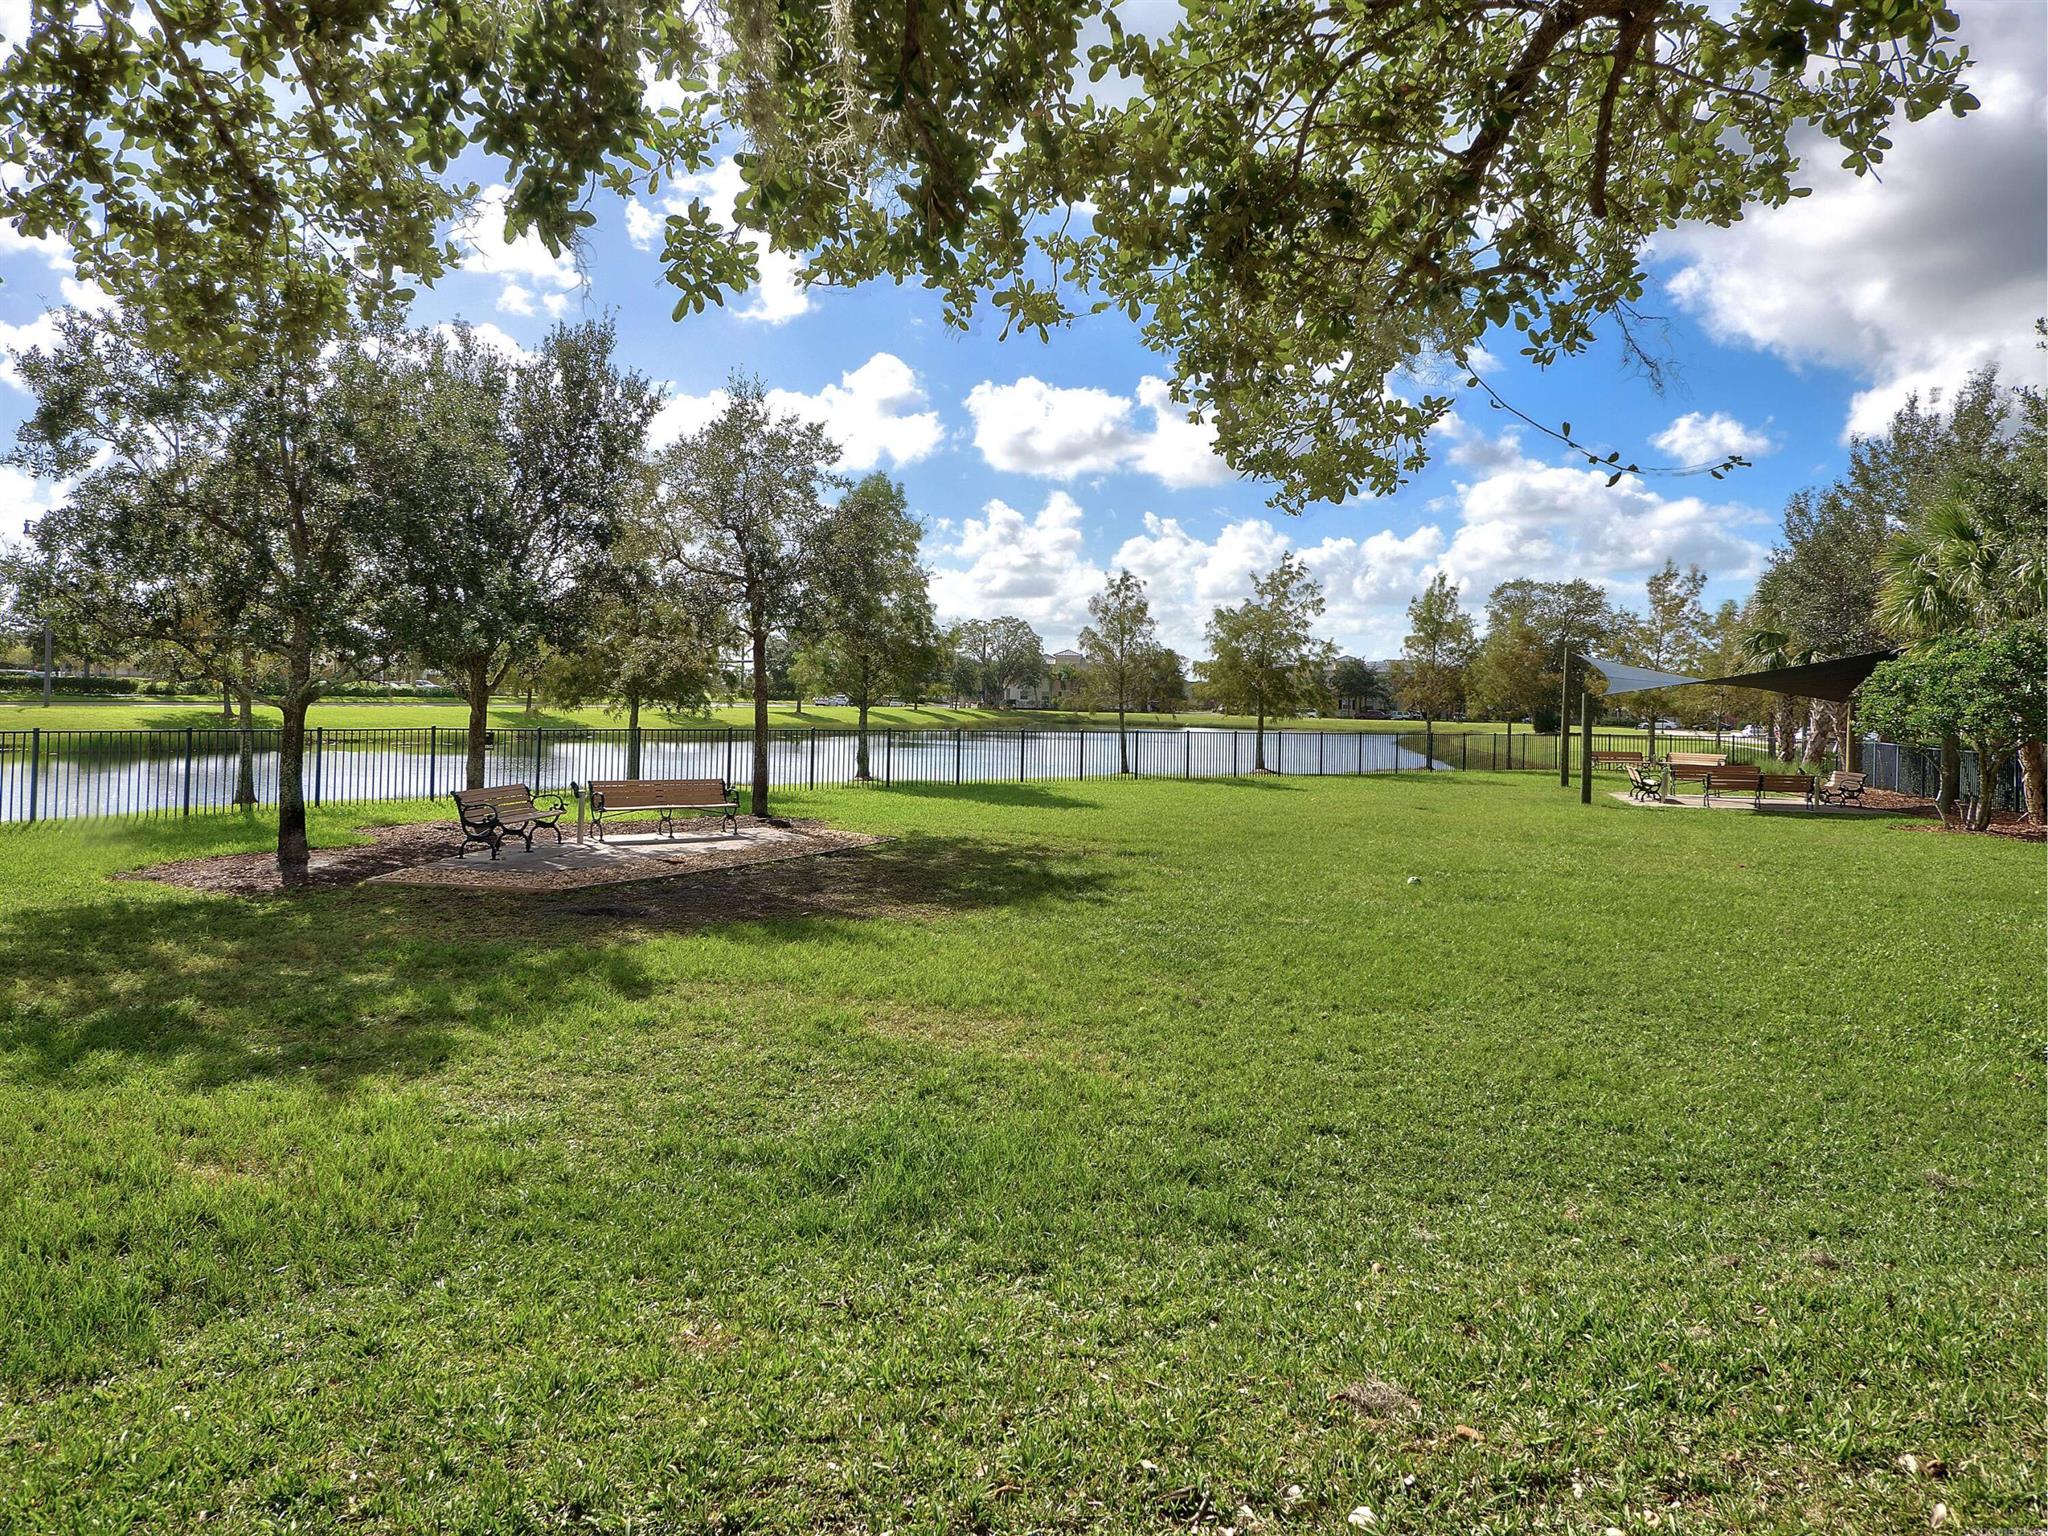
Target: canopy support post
[(1564, 725), (1586, 748)]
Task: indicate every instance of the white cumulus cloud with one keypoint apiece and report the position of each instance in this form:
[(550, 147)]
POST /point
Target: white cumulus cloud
[(872, 413), (1006, 561), (1696, 437), (1517, 516), (1035, 428), (530, 277), (1912, 278)]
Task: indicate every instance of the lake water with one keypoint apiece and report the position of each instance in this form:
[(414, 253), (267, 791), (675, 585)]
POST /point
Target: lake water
[(131, 773)]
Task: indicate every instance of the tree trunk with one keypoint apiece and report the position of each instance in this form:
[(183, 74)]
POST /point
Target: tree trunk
[(860, 744), (1987, 785), (1949, 785), (245, 751), (632, 735), (227, 700), (1819, 732), (2034, 776), (292, 851), (478, 691), (758, 791)]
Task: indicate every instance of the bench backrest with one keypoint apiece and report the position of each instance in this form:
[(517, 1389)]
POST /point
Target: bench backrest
[(1740, 774), (1840, 780), (515, 797), (1801, 783), (1697, 759), (1617, 757), (636, 794)]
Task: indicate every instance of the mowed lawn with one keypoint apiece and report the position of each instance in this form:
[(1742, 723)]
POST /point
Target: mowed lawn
[(1153, 1153)]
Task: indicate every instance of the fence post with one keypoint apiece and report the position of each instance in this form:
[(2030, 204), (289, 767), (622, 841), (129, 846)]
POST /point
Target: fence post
[(813, 784), (956, 754), (1429, 745), (35, 767), (728, 756), (1322, 741), (1233, 752), (539, 742), (188, 770), (1020, 757), (1187, 742), (888, 755), (319, 761), (433, 762)]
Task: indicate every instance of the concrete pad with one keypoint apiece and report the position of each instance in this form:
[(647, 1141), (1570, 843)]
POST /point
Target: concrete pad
[(1779, 807), (621, 858)]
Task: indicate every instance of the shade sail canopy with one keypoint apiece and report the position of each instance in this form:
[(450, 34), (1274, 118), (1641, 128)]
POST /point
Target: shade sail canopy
[(1834, 680), (1623, 678)]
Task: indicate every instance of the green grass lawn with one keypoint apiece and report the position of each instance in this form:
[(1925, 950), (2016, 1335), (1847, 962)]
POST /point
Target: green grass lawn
[(160, 714), (1153, 1150)]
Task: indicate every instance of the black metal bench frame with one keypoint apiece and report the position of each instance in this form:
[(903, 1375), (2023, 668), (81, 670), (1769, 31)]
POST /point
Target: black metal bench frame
[(483, 824), (1841, 794)]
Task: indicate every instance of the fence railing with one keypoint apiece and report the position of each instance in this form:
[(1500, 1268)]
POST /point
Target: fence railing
[(65, 774)]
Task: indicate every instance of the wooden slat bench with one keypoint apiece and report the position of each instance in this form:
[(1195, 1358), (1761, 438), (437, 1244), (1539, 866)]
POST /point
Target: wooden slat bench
[(1738, 779), (1693, 765), (1643, 785), (489, 816), (1800, 784), (1623, 758), (612, 798), (1841, 789)]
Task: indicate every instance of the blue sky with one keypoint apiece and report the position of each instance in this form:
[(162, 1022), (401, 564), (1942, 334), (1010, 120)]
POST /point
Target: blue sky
[(1039, 467)]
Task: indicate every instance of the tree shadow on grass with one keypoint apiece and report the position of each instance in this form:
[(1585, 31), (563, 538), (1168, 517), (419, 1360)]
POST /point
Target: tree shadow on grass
[(1030, 796), (383, 981)]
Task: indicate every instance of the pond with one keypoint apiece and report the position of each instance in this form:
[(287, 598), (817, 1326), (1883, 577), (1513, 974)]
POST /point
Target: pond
[(61, 774)]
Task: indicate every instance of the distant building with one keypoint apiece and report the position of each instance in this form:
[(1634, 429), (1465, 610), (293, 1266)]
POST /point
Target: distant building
[(1061, 680)]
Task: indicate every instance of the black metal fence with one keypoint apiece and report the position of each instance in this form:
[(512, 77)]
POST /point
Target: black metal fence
[(1913, 771), (61, 774)]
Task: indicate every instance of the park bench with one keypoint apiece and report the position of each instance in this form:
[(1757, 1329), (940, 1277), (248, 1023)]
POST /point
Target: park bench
[(1737, 779), (1623, 758), (1800, 784), (1694, 765), (489, 816), (666, 798), (1841, 789), (1642, 785)]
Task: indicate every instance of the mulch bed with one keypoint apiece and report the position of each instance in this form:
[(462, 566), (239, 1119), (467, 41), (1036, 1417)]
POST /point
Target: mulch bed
[(2003, 823), (255, 874), (410, 847)]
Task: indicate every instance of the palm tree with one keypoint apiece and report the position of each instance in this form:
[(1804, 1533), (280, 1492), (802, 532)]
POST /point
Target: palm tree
[(1965, 562), (1768, 649)]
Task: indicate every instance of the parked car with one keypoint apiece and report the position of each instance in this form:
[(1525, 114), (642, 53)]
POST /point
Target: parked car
[(831, 701)]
